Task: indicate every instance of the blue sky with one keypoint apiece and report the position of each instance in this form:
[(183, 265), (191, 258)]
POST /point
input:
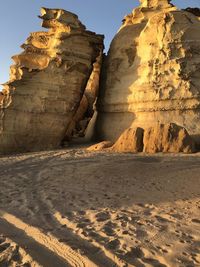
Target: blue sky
[(19, 17)]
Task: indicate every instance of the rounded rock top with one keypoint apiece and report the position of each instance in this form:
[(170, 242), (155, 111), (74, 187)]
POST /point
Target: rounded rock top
[(155, 3)]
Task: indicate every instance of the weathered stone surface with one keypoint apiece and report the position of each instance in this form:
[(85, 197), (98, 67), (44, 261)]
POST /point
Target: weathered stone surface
[(74, 126), (92, 88), (100, 146), (1, 98), (152, 72), (168, 138), (47, 83), (131, 140), (85, 112), (155, 3)]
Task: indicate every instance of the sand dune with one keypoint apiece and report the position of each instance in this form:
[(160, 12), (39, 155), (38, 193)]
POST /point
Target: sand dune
[(78, 208)]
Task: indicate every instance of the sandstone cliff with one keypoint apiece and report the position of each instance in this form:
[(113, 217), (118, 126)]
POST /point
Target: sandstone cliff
[(47, 83), (152, 72)]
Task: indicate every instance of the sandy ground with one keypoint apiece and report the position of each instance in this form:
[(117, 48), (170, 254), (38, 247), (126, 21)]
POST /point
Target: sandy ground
[(77, 208)]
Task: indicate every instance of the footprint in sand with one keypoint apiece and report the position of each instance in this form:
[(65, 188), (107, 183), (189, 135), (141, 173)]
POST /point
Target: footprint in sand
[(102, 216), (3, 247), (109, 229), (114, 244), (144, 257), (196, 221), (2, 240), (185, 238), (12, 255), (162, 249)]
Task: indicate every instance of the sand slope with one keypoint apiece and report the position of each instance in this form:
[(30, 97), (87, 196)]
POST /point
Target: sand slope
[(78, 208)]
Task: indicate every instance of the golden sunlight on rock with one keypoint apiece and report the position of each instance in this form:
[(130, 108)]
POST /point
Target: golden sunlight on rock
[(47, 83), (112, 177), (151, 74)]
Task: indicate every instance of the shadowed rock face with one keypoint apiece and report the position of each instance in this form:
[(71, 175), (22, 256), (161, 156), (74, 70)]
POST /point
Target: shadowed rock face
[(195, 11), (83, 116), (152, 72), (47, 83)]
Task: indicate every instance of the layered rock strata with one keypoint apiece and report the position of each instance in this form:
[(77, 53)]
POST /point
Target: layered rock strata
[(152, 72), (47, 83)]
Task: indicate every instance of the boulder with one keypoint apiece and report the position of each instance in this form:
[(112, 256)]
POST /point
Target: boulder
[(47, 83), (168, 138), (131, 141), (151, 74)]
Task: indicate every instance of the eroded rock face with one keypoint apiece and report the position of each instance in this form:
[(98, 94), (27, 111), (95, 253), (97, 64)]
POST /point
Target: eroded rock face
[(85, 112), (131, 140), (152, 72), (168, 138), (155, 3), (47, 83)]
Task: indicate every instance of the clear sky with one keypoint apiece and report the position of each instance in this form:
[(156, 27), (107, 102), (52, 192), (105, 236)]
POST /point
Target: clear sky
[(19, 17)]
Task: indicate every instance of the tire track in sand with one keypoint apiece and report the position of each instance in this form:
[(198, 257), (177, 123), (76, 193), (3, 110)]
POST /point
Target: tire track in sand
[(50, 242)]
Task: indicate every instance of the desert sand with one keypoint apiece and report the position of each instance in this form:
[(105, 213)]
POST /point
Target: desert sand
[(72, 207)]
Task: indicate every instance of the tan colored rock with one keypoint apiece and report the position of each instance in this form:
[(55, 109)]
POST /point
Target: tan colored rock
[(47, 83), (92, 88), (155, 3), (131, 141), (168, 138), (85, 112), (1, 98), (100, 146), (78, 117), (152, 72)]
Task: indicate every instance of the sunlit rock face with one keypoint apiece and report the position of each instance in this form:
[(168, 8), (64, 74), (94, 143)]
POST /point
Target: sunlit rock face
[(170, 138), (155, 3), (152, 72), (130, 141), (47, 83)]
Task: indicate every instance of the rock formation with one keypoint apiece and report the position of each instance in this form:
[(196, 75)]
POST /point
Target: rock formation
[(168, 138), (131, 141), (47, 83), (152, 72)]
